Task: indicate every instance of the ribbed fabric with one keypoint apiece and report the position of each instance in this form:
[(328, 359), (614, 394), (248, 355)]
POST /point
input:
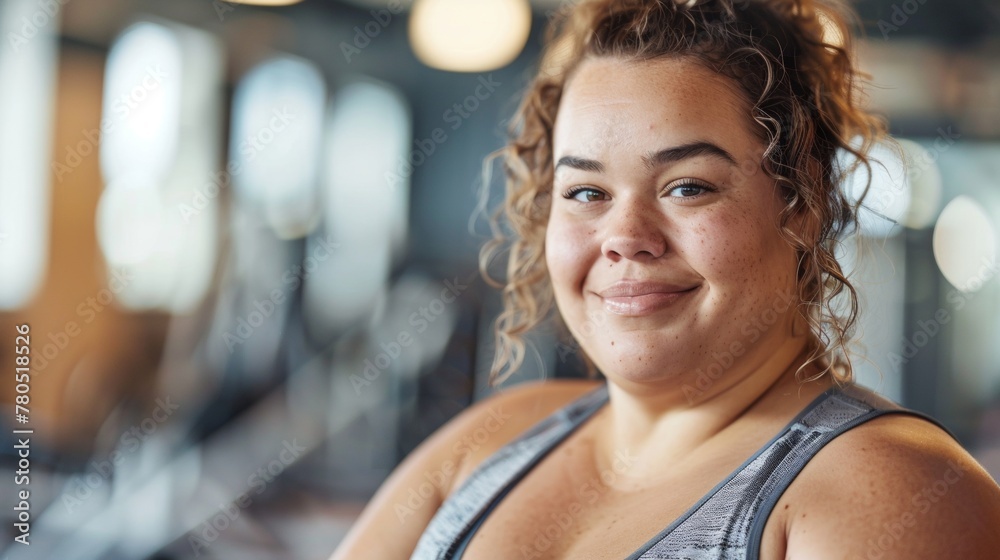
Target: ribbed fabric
[(726, 524)]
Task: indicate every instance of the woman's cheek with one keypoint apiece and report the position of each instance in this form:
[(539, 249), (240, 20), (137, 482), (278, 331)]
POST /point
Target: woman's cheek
[(567, 248), (728, 249)]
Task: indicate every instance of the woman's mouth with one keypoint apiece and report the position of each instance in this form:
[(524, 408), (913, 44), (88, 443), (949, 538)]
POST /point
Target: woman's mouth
[(635, 299)]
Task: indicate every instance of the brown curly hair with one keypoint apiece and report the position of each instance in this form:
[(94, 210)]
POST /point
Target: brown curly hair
[(789, 58)]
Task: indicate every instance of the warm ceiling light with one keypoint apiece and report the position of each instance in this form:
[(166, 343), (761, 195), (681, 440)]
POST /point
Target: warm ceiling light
[(464, 36)]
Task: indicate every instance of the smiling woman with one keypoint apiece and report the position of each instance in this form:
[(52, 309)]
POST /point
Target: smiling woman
[(672, 192)]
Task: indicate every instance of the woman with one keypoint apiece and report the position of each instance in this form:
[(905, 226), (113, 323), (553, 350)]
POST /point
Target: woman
[(672, 189)]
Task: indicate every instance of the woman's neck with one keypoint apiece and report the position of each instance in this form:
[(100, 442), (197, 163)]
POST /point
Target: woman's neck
[(656, 426)]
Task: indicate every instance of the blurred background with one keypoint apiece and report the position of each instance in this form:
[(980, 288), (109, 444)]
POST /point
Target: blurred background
[(244, 239)]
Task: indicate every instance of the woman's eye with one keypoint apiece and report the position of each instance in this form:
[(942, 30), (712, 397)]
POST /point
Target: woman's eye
[(689, 190), (585, 195)]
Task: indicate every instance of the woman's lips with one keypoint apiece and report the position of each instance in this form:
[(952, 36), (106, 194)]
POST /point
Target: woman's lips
[(634, 300)]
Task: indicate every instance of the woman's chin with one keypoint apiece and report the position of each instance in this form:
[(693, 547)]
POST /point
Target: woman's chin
[(632, 368)]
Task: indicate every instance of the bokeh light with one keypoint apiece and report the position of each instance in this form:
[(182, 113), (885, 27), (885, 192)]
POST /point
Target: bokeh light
[(464, 36), (965, 244)]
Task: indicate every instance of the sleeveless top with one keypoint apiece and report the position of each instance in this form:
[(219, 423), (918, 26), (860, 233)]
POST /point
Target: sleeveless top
[(726, 524)]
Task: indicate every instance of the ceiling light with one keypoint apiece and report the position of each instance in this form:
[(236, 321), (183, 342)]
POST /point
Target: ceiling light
[(464, 36)]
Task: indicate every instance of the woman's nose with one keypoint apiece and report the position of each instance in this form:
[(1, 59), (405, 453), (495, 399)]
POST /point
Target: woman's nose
[(634, 233)]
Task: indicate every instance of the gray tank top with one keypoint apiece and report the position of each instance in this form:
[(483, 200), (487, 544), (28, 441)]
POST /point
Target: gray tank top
[(727, 523)]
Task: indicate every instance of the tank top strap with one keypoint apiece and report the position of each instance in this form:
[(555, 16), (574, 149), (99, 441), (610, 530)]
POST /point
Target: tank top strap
[(728, 522), (845, 408), (452, 527)]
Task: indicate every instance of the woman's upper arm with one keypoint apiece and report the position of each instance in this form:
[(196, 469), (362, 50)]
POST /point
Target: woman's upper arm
[(908, 494), (395, 518)]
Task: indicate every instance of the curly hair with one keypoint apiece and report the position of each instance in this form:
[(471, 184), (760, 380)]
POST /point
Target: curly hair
[(790, 60)]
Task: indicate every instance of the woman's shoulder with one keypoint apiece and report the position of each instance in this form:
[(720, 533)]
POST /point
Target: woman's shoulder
[(409, 498), (500, 418), (896, 486)]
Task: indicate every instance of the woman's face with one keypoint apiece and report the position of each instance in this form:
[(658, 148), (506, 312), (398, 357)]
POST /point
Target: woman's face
[(662, 243)]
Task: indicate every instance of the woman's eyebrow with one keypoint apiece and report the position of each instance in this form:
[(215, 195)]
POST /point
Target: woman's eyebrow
[(685, 151), (583, 164), (655, 159)]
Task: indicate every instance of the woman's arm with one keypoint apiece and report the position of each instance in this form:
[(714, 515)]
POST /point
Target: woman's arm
[(894, 488)]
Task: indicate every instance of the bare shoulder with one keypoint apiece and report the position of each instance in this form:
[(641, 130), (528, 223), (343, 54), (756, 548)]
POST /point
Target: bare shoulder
[(500, 418), (407, 501), (895, 487)]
